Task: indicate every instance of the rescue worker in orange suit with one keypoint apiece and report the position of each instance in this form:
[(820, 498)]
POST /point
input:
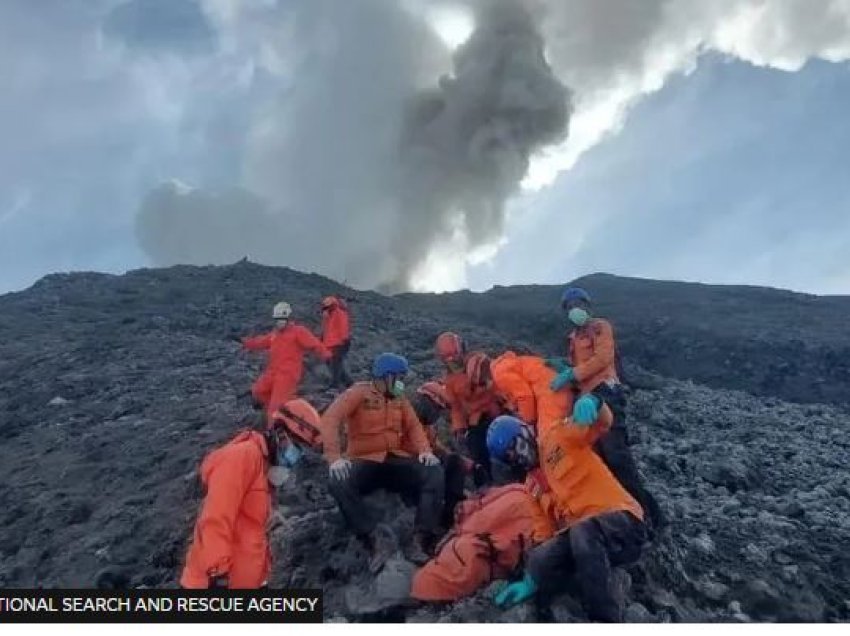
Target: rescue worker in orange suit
[(591, 368), (599, 525), (472, 408), (230, 548), (286, 345), (336, 336), (430, 403), (524, 381), (387, 448)]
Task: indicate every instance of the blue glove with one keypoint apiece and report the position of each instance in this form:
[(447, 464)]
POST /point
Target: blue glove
[(563, 378), (558, 364), (515, 593), (586, 410)]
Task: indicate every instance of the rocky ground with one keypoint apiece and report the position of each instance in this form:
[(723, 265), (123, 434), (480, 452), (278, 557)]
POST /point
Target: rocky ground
[(113, 388)]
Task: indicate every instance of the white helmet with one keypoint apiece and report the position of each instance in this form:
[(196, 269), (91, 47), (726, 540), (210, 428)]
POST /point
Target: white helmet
[(281, 311)]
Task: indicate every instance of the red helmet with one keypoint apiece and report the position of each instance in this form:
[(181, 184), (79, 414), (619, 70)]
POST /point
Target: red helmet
[(436, 391), (300, 420), (478, 368), (450, 347)]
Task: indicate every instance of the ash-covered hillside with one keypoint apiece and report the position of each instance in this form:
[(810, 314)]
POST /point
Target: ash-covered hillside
[(112, 388)]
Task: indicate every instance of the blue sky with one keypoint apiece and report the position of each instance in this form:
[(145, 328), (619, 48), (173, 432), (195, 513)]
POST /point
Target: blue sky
[(263, 129), (730, 174)]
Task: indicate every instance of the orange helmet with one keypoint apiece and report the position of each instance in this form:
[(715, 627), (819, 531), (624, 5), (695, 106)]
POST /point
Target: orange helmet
[(300, 420), (436, 391), (478, 368), (329, 302), (450, 347)]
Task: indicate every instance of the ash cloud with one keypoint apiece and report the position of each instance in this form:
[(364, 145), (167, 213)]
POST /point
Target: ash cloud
[(370, 163), (466, 144)]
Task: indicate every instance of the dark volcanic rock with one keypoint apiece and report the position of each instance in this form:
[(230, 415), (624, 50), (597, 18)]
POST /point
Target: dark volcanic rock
[(113, 388)]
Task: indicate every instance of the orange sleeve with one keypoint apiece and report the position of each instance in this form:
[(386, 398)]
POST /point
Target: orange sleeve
[(413, 429), (518, 390), (341, 409), (312, 343), (258, 343), (227, 485), (588, 435), (603, 352), (456, 412)]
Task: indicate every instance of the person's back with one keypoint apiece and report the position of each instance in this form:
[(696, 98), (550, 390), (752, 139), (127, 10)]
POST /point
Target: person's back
[(580, 484), (336, 326), (525, 381), (230, 533)]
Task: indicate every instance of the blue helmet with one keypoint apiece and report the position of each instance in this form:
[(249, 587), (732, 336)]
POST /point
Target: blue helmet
[(571, 294), (389, 364), (501, 435)]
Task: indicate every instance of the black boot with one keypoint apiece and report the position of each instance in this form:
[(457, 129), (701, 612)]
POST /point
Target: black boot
[(422, 548)]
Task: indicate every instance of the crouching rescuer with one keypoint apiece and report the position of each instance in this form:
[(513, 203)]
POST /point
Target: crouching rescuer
[(387, 448), (599, 525), (230, 548)]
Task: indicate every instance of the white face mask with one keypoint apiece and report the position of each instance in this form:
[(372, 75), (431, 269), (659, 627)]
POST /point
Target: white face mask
[(278, 476)]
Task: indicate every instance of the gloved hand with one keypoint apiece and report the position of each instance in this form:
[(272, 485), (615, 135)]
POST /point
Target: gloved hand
[(220, 582), (586, 410), (563, 378), (516, 592), (429, 459), (340, 469), (558, 364), (460, 437)]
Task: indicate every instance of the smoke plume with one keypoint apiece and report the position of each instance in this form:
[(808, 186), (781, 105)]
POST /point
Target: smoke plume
[(466, 143), (366, 146), (359, 169)]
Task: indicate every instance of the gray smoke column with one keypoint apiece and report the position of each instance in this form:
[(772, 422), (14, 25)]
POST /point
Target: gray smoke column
[(357, 159), (466, 143)]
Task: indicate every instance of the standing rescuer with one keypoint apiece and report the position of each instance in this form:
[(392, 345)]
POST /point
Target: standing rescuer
[(336, 336), (383, 432), (600, 525), (286, 344), (591, 366), (230, 548), (472, 407)]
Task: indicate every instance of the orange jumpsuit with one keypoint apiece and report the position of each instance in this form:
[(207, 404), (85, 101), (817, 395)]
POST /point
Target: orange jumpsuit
[(230, 532), (279, 382), (572, 482), (467, 403), (592, 353), (377, 426), (336, 327), (524, 381)]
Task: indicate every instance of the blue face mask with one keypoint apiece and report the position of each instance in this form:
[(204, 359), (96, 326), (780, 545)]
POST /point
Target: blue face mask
[(578, 316), (289, 456), (398, 388)]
